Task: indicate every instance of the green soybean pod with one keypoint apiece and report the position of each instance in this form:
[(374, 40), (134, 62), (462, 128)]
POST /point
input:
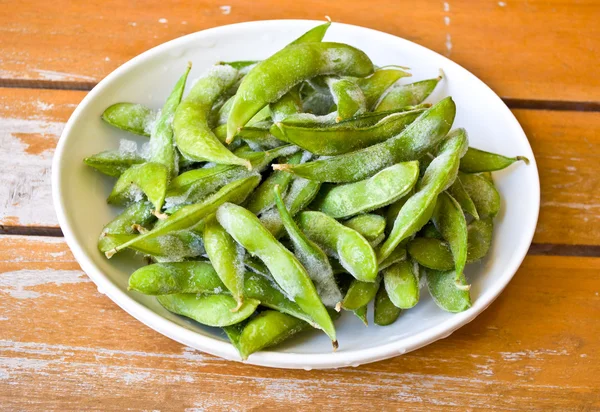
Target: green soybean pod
[(131, 117), (288, 105), (240, 64), (149, 178), (347, 96), (407, 94), (392, 211), (310, 255), (194, 185), (210, 310), (382, 189), (483, 193), (398, 255), (139, 213), (189, 216), (431, 253), (193, 136), (477, 161), (360, 294), (200, 277), (351, 249), (263, 197), (386, 312), (113, 163), (429, 231), (299, 195), (173, 278), (371, 226), (268, 328), (402, 284), (314, 35), (459, 193), (172, 247), (162, 149), (288, 272), (450, 221), (275, 76), (417, 210), (480, 239), (434, 253), (412, 143), (446, 293), (376, 84), (343, 137), (227, 258), (361, 313)]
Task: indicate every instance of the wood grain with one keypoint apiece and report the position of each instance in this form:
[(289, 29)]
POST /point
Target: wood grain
[(566, 145), (522, 49), (65, 346)]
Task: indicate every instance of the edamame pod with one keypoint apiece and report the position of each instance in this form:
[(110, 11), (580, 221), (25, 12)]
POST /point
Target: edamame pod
[(351, 249), (113, 163), (402, 284), (227, 258), (483, 193), (398, 255), (360, 294), (375, 85), (193, 135), (310, 255), (344, 137), (445, 292), (407, 94), (450, 221), (382, 189), (418, 208), (299, 195), (268, 328), (459, 193), (371, 226), (386, 312), (131, 117), (315, 34), (210, 310), (147, 178), (477, 161), (289, 104), (361, 313), (431, 253), (195, 185), (275, 76), (288, 272), (189, 216), (162, 149), (347, 96), (418, 138), (434, 253), (139, 213), (173, 278), (263, 197), (172, 247)]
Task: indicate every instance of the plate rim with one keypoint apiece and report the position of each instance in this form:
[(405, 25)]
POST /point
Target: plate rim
[(276, 359)]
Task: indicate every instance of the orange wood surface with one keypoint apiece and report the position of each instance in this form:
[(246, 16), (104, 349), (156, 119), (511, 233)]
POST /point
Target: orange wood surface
[(528, 49), (65, 346)]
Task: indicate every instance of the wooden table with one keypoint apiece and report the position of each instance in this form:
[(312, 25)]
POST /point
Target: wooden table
[(64, 346)]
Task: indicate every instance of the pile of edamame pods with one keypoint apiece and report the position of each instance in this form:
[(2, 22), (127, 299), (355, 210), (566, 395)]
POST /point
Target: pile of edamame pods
[(277, 193)]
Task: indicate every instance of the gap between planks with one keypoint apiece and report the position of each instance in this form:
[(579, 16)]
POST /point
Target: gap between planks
[(573, 106), (536, 249)]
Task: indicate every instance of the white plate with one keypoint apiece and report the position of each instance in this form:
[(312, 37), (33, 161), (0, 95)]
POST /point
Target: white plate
[(80, 193)]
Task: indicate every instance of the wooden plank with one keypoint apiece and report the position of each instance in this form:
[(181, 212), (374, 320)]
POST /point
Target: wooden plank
[(65, 346), (31, 122), (566, 145), (535, 50)]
